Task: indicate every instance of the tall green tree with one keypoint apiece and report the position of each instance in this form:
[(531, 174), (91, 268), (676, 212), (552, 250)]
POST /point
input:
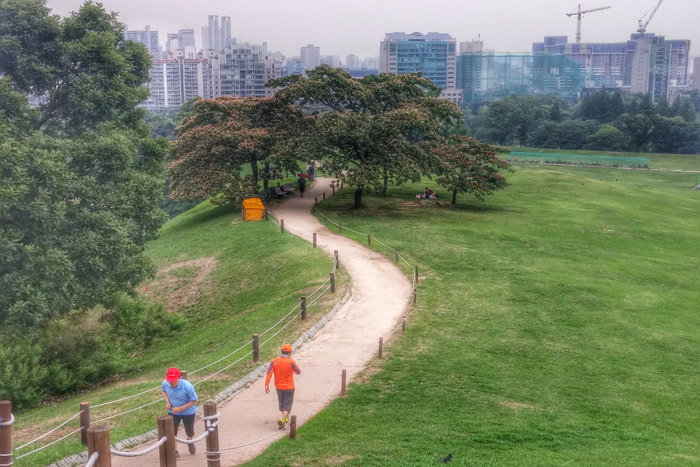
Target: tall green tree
[(372, 130), (80, 181), (470, 166)]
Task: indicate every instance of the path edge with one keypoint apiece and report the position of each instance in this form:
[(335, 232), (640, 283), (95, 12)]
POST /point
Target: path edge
[(221, 397)]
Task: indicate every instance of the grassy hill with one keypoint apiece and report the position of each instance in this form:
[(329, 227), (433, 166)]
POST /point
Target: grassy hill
[(557, 324), (230, 279)]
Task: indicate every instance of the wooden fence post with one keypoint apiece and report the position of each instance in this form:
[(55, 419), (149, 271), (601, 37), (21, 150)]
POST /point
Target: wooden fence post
[(341, 184), (166, 427), (256, 348), (403, 324), (213, 459), (293, 427), (396, 253), (335, 258), (314, 239), (316, 201), (84, 421), (381, 346), (340, 225), (303, 308), (415, 297), (415, 274), (265, 214), (324, 195), (281, 225), (343, 380), (332, 282), (333, 188), (98, 441), (369, 240), (183, 374), (5, 433)]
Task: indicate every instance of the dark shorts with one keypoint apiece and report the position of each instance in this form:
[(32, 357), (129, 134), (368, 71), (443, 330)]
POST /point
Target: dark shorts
[(187, 420), (285, 398)]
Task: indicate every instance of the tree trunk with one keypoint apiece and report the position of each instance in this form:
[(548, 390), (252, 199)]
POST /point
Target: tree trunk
[(254, 167), (386, 180), (358, 198), (266, 178), (454, 196)]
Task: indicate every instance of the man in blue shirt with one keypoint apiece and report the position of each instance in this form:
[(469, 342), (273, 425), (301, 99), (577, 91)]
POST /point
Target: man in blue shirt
[(181, 402)]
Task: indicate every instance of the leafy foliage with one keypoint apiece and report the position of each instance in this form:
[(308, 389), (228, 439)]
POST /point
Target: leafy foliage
[(373, 130), (225, 133), (470, 166)]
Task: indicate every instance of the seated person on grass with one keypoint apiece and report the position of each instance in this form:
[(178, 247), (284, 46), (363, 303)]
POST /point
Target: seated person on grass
[(428, 193)]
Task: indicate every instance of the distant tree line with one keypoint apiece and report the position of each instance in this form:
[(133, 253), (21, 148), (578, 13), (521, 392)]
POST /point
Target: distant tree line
[(600, 121)]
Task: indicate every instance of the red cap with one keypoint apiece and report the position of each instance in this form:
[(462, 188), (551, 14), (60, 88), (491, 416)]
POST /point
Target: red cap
[(286, 348), (172, 375)]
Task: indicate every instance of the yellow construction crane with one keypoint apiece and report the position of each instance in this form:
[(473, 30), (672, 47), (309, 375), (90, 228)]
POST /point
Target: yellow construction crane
[(580, 13), (643, 26)]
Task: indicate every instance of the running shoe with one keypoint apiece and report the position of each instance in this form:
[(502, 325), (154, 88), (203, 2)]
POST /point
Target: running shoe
[(192, 448), (286, 420), (280, 423), (177, 456)]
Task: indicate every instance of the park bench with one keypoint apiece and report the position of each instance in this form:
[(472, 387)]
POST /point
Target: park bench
[(288, 189), (280, 192)]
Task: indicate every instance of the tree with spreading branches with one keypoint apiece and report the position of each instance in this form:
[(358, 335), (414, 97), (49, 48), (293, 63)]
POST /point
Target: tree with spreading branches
[(371, 130), (470, 166)]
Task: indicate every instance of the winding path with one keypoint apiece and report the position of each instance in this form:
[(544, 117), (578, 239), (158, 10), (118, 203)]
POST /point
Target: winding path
[(380, 296)]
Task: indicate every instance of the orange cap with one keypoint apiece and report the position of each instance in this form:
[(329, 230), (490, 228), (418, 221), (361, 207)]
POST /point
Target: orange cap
[(286, 348)]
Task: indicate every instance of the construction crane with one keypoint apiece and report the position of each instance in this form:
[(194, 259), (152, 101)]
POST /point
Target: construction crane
[(580, 13), (643, 26)]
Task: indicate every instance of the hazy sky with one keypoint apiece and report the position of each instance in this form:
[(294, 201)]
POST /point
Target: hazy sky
[(342, 27)]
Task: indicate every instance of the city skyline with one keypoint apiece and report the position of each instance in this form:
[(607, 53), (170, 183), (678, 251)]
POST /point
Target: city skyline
[(358, 27)]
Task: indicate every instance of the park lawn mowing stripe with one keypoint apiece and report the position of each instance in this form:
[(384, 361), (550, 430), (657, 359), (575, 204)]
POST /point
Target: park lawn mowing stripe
[(258, 277), (557, 323)]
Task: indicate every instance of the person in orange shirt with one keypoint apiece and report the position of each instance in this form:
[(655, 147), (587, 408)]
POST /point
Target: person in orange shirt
[(283, 368)]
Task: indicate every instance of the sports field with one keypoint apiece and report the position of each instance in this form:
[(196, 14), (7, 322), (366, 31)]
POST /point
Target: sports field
[(557, 325)]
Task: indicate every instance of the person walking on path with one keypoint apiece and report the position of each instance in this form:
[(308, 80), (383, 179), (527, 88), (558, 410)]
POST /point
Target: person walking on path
[(301, 183), (310, 170), (181, 403), (283, 368)]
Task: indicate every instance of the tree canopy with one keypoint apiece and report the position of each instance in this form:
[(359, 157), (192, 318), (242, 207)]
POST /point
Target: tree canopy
[(80, 181), (372, 130)]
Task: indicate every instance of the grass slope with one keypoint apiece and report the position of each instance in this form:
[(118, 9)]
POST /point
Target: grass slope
[(258, 277), (557, 324)]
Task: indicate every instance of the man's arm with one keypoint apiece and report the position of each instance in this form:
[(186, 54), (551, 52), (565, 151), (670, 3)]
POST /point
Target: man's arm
[(270, 370), (167, 401), (295, 368), (184, 407)]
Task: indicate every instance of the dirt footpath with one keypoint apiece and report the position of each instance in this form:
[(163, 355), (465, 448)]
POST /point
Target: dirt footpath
[(380, 296)]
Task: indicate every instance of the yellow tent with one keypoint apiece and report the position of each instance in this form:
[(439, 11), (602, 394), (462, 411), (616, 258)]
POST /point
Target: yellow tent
[(253, 209)]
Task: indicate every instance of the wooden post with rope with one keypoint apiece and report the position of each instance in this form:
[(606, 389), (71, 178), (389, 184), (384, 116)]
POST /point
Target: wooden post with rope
[(183, 374), (98, 441), (340, 225), (369, 240), (84, 422), (335, 258), (396, 253), (281, 225), (316, 201), (415, 296), (324, 195), (415, 274), (166, 451), (332, 282), (343, 381), (5, 433), (403, 324), (213, 455), (333, 188), (303, 308), (293, 427), (265, 214), (256, 348), (381, 347), (314, 240)]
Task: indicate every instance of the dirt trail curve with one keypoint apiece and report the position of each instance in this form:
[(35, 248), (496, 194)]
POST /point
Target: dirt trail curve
[(380, 295)]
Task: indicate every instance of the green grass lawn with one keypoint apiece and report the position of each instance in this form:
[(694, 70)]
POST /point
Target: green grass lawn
[(557, 324), (656, 160), (257, 276)]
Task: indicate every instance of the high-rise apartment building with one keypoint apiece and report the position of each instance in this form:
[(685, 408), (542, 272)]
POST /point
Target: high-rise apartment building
[(146, 37), (353, 62), (214, 39), (225, 31), (433, 54), (186, 38), (243, 70), (696, 73), (216, 35), (330, 60), (182, 76), (310, 56), (645, 63), (370, 63)]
